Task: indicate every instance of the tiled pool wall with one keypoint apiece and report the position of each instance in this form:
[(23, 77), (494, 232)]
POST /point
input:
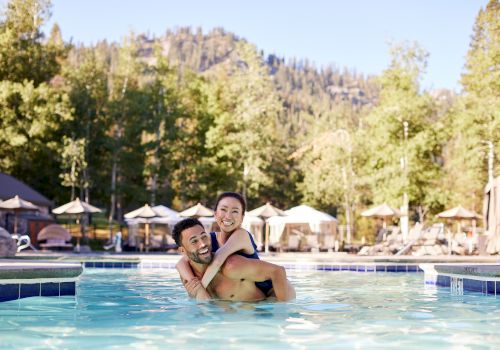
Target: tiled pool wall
[(460, 283), (463, 283), (288, 266), (17, 289), (13, 290)]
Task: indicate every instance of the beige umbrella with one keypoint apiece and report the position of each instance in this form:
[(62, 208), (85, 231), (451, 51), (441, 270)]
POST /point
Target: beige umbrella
[(460, 213), (381, 211), (265, 212), (17, 205), (77, 207), (145, 212), (198, 210)]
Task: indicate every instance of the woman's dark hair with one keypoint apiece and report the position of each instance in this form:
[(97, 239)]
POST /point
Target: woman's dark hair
[(235, 195)]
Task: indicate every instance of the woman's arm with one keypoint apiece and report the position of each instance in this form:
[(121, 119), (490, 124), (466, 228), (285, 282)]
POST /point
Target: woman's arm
[(184, 270), (239, 240), (190, 281)]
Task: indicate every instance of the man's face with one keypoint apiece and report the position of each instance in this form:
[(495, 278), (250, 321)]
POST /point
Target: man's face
[(229, 214), (197, 245)]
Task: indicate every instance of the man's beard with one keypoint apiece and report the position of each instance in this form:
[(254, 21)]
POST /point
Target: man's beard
[(196, 258)]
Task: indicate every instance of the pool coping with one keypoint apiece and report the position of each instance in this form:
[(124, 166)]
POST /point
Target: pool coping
[(22, 279)]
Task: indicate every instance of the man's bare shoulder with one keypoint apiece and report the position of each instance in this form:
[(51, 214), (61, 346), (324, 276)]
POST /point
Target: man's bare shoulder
[(235, 262)]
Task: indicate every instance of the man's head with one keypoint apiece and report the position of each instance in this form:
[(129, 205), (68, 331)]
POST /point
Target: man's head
[(192, 240), (229, 211)]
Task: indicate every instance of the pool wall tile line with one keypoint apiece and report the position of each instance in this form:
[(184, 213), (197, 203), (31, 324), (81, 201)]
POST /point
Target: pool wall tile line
[(14, 291), (289, 266), (110, 265), (469, 284)]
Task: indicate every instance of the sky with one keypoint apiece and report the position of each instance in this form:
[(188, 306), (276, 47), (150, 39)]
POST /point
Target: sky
[(354, 34)]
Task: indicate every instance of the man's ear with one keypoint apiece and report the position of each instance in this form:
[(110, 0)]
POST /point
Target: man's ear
[(181, 250)]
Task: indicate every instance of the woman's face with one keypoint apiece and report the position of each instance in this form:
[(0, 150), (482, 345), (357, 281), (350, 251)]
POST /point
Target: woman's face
[(229, 214)]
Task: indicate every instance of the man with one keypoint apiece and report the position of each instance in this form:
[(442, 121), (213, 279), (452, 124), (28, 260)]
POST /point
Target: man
[(236, 280)]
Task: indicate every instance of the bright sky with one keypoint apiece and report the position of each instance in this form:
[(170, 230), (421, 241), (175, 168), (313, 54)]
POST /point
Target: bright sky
[(345, 33)]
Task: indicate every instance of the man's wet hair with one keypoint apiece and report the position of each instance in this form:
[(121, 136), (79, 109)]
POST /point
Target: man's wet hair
[(235, 195), (181, 226)]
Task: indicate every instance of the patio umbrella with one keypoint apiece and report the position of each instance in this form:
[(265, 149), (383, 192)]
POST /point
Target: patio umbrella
[(17, 205), (77, 207), (265, 212), (459, 213), (147, 213), (381, 211), (197, 211)]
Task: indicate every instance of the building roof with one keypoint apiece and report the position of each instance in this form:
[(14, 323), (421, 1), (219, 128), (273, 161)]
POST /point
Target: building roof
[(10, 186)]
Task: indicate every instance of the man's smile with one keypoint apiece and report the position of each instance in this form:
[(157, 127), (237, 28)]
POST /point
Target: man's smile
[(204, 252)]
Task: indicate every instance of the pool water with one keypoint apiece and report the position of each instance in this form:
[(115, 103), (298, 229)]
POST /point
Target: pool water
[(149, 309)]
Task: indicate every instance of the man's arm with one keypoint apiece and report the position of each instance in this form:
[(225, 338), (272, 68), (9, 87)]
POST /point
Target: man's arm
[(256, 270)]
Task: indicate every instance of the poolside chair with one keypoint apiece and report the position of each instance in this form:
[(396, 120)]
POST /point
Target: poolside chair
[(312, 244), (292, 244), (55, 237), (328, 243)]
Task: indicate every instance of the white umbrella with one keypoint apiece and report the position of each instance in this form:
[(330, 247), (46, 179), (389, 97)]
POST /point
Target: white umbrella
[(17, 204), (198, 210), (77, 207), (266, 211), (145, 212)]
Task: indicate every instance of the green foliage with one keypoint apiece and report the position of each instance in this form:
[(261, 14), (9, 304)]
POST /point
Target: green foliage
[(475, 119), (31, 119), (244, 133), (177, 119), (23, 55), (73, 164), (402, 102)]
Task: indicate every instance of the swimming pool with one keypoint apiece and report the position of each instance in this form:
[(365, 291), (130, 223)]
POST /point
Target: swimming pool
[(148, 308)]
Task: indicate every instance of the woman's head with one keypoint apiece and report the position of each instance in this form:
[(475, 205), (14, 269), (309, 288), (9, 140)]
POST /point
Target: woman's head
[(229, 211)]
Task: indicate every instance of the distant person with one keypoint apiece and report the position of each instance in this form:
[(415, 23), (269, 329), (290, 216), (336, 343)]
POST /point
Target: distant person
[(237, 279), (229, 212)]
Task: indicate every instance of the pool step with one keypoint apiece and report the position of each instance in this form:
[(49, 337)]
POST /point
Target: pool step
[(482, 278)]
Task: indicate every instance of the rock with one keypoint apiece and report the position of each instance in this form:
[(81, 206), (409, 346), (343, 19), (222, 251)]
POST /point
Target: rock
[(8, 246)]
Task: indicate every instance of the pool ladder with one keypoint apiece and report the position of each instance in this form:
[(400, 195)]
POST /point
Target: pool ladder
[(456, 286)]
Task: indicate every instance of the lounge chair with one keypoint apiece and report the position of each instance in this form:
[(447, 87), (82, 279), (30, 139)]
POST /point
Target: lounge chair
[(328, 243), (292, 244), (55, 236), (312, 244), (56, 243)]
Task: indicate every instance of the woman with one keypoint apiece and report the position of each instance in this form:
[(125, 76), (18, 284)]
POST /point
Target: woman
[(229, 213)]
